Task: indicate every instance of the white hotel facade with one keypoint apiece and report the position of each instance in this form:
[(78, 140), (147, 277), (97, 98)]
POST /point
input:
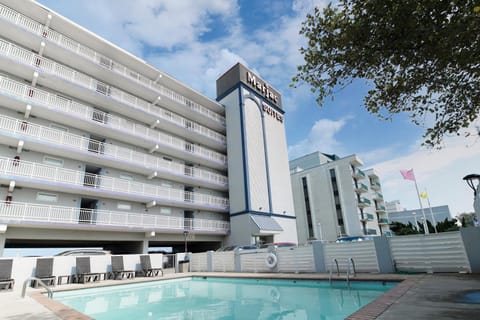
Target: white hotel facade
[(335, 198), (99, 148)]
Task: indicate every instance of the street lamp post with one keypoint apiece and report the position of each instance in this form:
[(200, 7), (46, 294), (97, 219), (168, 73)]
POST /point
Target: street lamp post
[(415, 218), (473, 181), (185, 235)]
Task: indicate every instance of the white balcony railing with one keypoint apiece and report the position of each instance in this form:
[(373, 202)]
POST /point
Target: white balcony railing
[(65, 139), (69, 44), (29, 94), (43, 172), (30, 58), (45, 214)]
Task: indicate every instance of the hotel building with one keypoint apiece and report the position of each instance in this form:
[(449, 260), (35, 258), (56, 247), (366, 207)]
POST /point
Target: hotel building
[(334, 198), (99, 148)]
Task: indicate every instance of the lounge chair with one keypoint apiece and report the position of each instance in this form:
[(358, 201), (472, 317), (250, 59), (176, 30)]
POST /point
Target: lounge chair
[(118, 269), (147, 269), (84, 273), (44, 272), (6, 281)]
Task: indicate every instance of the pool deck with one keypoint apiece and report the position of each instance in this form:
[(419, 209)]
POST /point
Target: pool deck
[(424, 296)]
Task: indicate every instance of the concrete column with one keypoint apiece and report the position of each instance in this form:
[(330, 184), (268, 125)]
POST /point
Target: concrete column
[(3, 237), (471, 240), (236, 259), (209, 261), (2, 243), (144, 246), (319, 256), (384, 256)]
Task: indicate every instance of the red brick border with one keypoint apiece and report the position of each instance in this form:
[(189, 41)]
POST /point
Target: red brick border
[(61, 310), (377, 307)]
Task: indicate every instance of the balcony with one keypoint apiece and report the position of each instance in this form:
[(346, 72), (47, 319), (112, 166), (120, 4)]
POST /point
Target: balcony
[(378, 196), (383, 221), (361, 188), (71, 45), (52, 178), (44, 215), (367, 217), (42, 64), (380, 208), (359, 174), (363, 202), (70, 145), (51, 102), (375, 185)]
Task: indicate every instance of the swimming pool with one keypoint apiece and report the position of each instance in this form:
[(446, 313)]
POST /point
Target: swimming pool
[(224, 298)]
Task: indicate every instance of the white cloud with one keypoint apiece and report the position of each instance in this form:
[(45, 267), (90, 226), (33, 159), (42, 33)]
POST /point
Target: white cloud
[(174, 23), (320, 138), (438, 171)]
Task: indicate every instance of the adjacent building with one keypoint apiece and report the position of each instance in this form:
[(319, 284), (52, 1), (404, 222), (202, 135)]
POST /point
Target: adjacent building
[(99, 148), (333, 197), (415, 216)]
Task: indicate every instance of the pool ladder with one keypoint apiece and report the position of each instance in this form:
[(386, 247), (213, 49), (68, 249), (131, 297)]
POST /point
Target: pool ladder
[(40, 282), (350, 262)]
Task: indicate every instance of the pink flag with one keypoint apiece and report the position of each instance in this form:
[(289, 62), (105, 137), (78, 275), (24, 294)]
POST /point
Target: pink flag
[(408, 174)]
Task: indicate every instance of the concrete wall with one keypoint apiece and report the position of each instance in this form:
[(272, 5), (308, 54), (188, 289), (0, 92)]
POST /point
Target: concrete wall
[(24, 267), (444, 252)]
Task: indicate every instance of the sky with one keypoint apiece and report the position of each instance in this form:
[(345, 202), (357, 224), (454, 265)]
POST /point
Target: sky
[(196, 41)]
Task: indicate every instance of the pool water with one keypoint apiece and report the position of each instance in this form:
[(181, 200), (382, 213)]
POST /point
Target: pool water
[(224, 298)]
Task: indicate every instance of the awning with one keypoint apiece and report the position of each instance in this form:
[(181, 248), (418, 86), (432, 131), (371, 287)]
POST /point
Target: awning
[(265, 225)]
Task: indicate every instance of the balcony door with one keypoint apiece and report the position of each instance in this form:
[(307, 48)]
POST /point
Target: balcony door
[(88, 209)]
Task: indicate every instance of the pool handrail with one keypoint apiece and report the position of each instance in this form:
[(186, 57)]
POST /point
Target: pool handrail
[(40, 282)]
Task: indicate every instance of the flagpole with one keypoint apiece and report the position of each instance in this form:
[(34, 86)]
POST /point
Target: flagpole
[(431, 212), (425, 225)]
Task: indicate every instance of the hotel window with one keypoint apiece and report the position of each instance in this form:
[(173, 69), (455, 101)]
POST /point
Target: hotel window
[(166, 185), (165, 211), (336, 197), (124, 206), (308, 210), (126, 177), (47, 197), (53, 161), (58, 127)]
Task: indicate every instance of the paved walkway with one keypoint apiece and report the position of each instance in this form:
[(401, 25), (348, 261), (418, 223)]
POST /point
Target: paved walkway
[(419, 297)]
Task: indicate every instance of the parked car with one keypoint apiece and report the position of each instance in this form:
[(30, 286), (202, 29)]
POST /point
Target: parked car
[(279, 245), (84, 252), (231, 248), (353, 239)]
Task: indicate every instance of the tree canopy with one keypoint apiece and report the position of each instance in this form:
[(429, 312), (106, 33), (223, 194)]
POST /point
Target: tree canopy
[(421, 57)]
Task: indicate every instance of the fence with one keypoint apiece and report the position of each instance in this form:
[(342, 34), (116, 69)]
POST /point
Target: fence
[(442, 252)]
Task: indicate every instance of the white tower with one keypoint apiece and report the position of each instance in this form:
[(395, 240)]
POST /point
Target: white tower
[(261, 201)]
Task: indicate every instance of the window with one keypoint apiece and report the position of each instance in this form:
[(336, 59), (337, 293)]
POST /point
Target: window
[(126, 177), (58, 127), (53, 161), (166, 185), (47, 197), (124, 206), (307, 207), (165, 211)]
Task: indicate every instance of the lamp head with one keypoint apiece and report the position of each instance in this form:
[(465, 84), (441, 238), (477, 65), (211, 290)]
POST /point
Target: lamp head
[(473, 180)]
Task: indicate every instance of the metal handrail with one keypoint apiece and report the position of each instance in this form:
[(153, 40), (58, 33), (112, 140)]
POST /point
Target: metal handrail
[(331, 270), (34, 213), (24, 289), (352, 263), (29, 94), (70, 44), (98, 148), (44, 172)]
